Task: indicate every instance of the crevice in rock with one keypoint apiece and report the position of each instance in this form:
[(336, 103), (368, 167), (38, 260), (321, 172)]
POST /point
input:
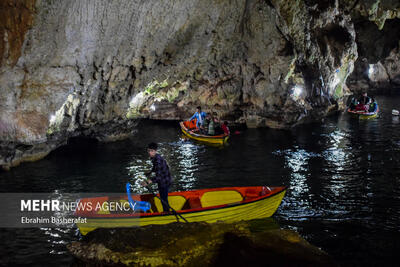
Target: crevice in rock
[(143, 66), (269, 3), (335, 38), (244, 18), (353, 6), (375, 44), (287, 50), (320, 5), (132, 72)]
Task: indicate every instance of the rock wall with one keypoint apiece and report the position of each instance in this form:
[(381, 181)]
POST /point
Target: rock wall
[(377, 25), (94, 68)]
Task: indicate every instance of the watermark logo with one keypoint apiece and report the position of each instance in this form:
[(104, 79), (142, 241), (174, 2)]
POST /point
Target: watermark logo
[(40, 205), (61, 209)]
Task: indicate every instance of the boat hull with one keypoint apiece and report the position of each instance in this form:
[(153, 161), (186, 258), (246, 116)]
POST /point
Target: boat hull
[(363, 115), (262, 207), (218, 139)]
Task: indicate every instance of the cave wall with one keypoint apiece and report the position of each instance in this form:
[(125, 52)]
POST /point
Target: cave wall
[(377, 26), (377, 69), (94, 68)]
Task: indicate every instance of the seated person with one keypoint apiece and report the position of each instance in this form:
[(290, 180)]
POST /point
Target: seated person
[(204, 127), (363, 103), (365, 100), (353, 103), (211, 126), (225, 128), (373, 106), (217, 125)]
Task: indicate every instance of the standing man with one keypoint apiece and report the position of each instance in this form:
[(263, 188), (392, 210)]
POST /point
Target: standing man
[(200, 116), (162, 177)]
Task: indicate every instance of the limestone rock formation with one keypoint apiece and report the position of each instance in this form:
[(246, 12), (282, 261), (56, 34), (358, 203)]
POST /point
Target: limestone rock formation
[(94, 68), (196, 244)]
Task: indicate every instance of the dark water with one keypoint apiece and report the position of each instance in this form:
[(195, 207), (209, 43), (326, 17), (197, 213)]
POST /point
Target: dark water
[(343, 177)]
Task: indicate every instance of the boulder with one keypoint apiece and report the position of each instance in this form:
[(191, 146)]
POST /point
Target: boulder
[(198, 244)]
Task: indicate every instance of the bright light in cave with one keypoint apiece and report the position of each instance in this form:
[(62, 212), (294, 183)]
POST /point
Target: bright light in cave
[(297, 90), (370, 70), (153, 107), (336, 81), (136, 100), (52, 118)]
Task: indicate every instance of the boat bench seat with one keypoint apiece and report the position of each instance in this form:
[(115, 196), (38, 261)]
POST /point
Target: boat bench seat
[(216, 198), (176, 202), (194, 202)]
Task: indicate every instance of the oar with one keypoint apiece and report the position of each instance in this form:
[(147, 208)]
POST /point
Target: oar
[(174, 211)]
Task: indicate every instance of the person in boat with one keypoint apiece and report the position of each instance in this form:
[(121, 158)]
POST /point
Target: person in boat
[(162, 174), (217, 125), (365, 99), (373, 106), (200, 116), (204, 127), (211, 126), (353, 103), (363, 103), (225, 128)]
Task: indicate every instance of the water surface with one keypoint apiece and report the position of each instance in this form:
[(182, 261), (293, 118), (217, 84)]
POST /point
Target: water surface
[(343, 177)]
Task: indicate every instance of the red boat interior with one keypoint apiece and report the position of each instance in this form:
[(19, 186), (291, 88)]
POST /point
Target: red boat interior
[(191, 126)]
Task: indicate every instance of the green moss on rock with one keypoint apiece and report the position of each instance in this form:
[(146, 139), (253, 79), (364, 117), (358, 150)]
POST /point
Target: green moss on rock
[(198, 244)]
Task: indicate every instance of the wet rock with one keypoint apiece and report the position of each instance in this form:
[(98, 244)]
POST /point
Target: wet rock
[(197, 244)]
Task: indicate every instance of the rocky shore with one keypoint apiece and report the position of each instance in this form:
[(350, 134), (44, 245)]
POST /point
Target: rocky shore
[(196, 244)]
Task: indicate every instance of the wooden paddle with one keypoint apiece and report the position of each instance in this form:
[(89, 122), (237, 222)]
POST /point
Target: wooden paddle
[(174, 211)]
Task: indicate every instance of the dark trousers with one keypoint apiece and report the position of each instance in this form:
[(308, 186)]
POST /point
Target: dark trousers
[(164, 196)]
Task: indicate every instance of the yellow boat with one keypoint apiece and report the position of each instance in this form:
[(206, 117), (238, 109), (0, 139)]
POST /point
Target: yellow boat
[(188, 128), (228, 204), (364, 115)]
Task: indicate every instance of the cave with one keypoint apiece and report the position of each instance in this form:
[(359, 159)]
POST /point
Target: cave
[(320, 5), (374, 44), (379, 50)]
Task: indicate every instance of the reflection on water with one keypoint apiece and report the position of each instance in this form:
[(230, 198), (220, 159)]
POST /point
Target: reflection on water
[(297, 160), (136, 172), (343, 179), (56, 239), (186, 164), (182, 158)]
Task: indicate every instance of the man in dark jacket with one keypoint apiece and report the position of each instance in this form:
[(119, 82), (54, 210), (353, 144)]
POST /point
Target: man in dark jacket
[(163, 175)]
